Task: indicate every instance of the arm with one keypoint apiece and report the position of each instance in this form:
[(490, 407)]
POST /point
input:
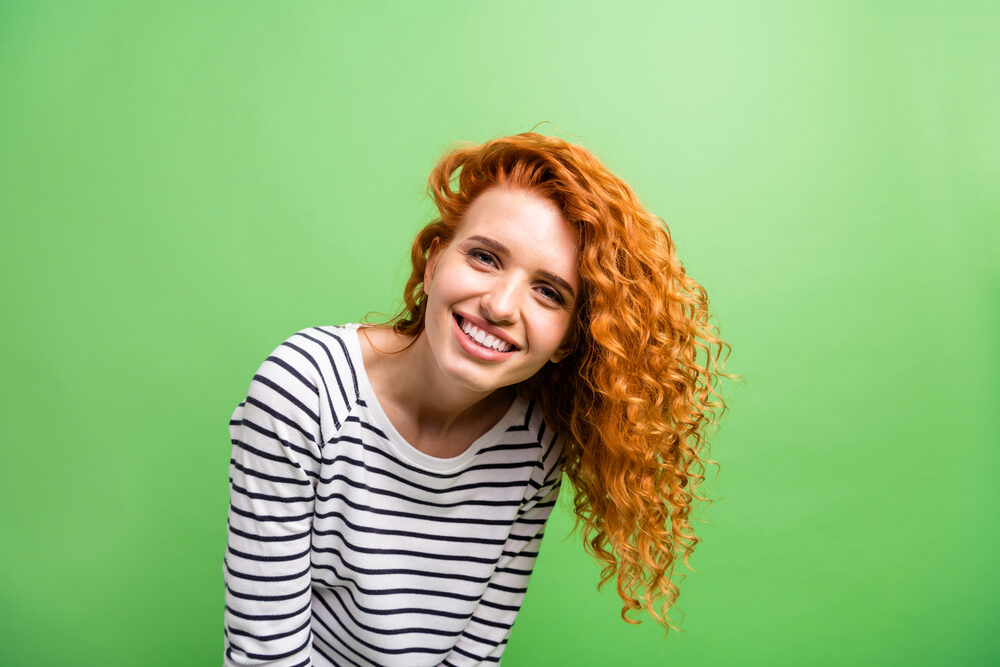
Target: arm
[(276, 457), (485, 637)]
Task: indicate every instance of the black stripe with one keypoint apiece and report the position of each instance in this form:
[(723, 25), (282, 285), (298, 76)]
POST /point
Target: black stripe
[(271, 435), (549, 448), (392, 494), (507, 589), (332, 364), (495, 624), (534, 500), (523, 538), (388, 612), (247, 447), (268, 382), (410, 515), (291, 369), (527, 418), (538, 505), (272, 656), (407, 533), (397, 651), (402, 552), (502, 607), (347, 356), (529, 463), (477, 638), (417, 573), (337, 636), (271, 478), (322, 376), (265, 496), (265, 638), (458, 649), (508, 447), (451, 489), (537, 522), (238, 408), (332, 648), (269, 598), (261, 577), (381, 631), (247, 556), (266, 617), (268, 517), (268, 538), (374, 429), (399, 591)]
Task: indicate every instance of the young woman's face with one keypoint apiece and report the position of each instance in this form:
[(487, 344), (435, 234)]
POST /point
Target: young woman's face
[(501, 297)]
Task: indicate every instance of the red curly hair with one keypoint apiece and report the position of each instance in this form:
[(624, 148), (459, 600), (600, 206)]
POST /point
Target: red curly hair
[(635, 395)]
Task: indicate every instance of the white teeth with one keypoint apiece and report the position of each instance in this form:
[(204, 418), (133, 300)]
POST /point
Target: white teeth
[(485, 339)]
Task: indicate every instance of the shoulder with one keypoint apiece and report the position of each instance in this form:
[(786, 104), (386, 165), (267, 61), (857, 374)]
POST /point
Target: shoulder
[(322, 358), (550, 444), (313, 375), (311, 351)]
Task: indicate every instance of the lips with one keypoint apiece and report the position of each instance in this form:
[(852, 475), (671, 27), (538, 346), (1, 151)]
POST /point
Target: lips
[(481, 341)]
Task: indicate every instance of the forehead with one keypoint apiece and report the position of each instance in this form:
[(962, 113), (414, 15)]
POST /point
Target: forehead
[(530, 226)]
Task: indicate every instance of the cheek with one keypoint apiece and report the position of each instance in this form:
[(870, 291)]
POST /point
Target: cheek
[(456, 282), (551, 330), (448, 288)]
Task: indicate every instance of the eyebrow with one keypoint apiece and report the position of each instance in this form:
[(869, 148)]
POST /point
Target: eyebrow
[(501, 249)]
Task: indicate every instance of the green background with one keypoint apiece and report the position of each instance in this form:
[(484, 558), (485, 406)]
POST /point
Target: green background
[(184, 185)]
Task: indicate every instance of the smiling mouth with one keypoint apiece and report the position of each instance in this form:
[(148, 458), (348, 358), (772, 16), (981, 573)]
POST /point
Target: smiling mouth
[(481, 338)]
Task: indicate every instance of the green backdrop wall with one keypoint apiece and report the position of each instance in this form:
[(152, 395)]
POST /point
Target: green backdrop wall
[(186, 184)]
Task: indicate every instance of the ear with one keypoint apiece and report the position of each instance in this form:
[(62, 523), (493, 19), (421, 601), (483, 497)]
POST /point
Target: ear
[(433, 253)]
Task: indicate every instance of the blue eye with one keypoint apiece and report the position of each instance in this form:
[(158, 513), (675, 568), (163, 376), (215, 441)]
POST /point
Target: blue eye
[(481, 256), (552, 294)]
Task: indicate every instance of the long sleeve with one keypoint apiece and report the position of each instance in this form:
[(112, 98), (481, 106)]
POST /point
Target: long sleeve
[(485, 636), (276, 456)]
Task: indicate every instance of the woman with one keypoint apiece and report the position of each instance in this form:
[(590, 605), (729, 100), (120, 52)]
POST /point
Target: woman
[(390, 484)]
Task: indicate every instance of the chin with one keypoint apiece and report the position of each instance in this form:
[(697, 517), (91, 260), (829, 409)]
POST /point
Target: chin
[(481, 383)]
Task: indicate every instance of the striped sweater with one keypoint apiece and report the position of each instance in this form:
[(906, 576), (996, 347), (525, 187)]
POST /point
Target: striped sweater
[(348, 546)]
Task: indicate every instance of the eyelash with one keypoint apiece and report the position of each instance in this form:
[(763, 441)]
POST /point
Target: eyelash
[(479, 256), (487, 258), (556, 297)]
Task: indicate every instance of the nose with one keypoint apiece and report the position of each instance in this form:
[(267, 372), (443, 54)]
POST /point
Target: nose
[(500, 304)]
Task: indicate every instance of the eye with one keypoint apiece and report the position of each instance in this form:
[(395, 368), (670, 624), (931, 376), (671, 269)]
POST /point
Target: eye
[(482, 256), (552, 295)]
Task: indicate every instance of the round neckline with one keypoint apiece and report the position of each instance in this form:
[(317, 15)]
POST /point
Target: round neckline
[(395, 440)]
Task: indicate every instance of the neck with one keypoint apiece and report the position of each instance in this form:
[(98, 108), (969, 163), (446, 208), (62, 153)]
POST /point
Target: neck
[(424, 405)]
